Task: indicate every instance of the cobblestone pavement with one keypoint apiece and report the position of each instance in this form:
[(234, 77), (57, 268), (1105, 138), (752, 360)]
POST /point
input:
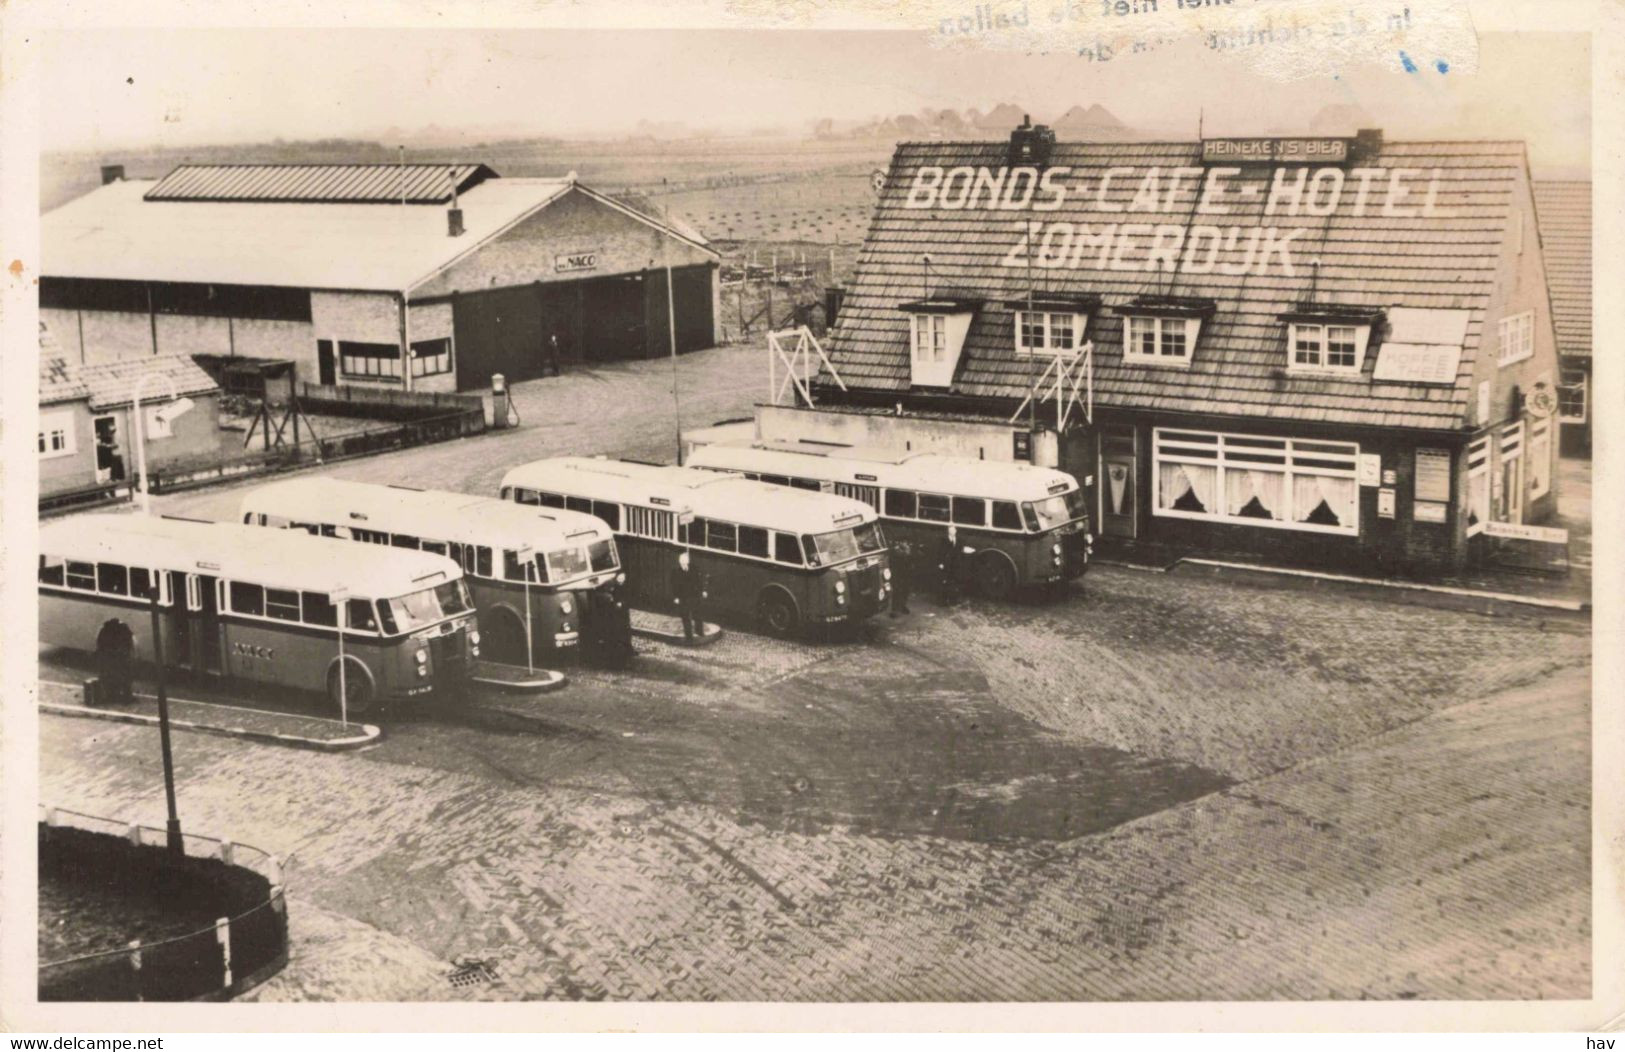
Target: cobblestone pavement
[(1162, 787)]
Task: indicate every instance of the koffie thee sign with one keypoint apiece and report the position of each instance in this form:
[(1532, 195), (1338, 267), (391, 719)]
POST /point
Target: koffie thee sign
[(1206, 244)]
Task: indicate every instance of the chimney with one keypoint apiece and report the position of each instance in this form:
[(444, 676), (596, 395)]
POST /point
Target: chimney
[(1367, 144), (1031, 143), (112, 173)]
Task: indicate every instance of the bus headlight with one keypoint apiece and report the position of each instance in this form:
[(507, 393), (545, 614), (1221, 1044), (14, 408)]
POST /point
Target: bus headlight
[(885, 573), (840, 587), (840, 598), (620, 578), (474, 637), (1056, 547), (422, 656), (564, 626), (566, 606)]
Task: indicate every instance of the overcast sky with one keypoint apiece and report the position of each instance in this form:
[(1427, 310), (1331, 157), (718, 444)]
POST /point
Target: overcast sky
[(131, 88)]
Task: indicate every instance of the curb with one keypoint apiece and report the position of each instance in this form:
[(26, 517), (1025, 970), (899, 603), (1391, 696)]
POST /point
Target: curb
[(368, 735), (1572, 606)]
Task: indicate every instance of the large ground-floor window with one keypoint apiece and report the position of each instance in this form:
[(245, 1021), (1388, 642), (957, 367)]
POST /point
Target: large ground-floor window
[(1251, 480), (370, 361)]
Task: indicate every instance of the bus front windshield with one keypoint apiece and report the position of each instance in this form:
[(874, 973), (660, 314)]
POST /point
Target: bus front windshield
[(566, 564), (431, 605), (841, 545), (1055, 511)]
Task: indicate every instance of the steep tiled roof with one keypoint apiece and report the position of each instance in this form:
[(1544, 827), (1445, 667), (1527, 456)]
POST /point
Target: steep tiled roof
[(352, 183), (111, 384), (1564, 213), (1367, 258)]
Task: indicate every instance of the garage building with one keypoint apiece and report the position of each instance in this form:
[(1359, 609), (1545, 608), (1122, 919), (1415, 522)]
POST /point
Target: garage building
[(419, 276)]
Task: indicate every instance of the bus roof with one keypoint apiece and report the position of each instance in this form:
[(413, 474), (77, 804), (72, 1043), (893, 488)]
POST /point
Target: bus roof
[(436, 515), (895, 469), (707, 494), (276, 558)]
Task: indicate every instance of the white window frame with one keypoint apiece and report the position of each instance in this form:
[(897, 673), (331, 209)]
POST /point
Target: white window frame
[(934, 327), (1160, 324), (1516, 337), (1046, 326), (1165, 448), (1321, 333), (51, 425), (1478, 466), (1572, 388)]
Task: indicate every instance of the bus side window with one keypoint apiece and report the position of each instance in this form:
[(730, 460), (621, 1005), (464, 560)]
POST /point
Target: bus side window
[(401, 540), (140, 582), (525, 496), (934, 507), (248, 518), (753, 541), (359, 616), (329, 530), (811, 484), (970, 511), (318, 609), (112, 579), (52, 570), (434, 546), (82, 576), (247, 598), (512, 568), (901, 504), (551, 500), (482, 562), (610, 513), (693, 533), (1031, 516), (777, 480), (809, 549), (282, 604), (578, 504), (309, 527), (786, 549), (386, 617), (1005, 515), (723, 536)]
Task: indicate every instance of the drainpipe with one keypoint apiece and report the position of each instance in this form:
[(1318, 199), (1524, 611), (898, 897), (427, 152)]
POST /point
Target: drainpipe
[(406, 347)]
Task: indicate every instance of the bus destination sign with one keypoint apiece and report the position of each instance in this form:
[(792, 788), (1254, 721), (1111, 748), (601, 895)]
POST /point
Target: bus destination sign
[(1267, 151)]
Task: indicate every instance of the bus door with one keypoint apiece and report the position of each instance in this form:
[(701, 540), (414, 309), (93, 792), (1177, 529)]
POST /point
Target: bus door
[(202, 600), (178, 647)]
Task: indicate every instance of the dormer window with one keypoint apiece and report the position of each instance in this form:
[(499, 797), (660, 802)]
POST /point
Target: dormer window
[(1328, 338), (1162, 330), (937, 328), (1050, 325)]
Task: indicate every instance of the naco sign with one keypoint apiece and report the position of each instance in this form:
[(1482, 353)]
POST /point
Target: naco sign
[(1203, 243)]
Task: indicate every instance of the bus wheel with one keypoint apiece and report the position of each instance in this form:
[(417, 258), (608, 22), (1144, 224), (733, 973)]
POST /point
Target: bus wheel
[(504, 640), (777, 614), (359, 697), (995, 578)]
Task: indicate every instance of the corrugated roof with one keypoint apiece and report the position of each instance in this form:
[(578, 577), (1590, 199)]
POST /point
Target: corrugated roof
[(420, 184), (1563, 210), (111, 384), (1366, 259), (112, 232)]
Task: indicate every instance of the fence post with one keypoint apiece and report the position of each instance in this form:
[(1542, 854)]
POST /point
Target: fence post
[(134, 833), (227, 851), (222, 932), (135, 966)]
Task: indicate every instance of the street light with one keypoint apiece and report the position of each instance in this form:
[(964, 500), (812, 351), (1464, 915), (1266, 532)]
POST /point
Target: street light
[(341, 610), (165, 416), (176, 844)]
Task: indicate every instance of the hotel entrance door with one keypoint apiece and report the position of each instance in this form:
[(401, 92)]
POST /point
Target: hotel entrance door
[(1116, 482)]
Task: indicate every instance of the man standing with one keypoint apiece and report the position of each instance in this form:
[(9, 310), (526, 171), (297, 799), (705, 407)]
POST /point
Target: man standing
[(902, 576), (550, 354), (952, 567)]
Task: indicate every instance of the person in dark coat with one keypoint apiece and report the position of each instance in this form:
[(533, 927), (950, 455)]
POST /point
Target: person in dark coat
[(115, 661), (689, 593), (902, 576), (951, 567), (619, 631), (550, 354)]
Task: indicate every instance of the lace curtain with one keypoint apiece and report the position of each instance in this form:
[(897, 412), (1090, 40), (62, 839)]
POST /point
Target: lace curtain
[(1309, 492), (1197, 480), (1243, 485)]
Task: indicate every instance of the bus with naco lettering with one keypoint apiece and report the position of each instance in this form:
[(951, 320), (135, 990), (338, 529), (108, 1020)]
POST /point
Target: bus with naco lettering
[(786, 560), (570, 557), (1028, 525), (250, 604)]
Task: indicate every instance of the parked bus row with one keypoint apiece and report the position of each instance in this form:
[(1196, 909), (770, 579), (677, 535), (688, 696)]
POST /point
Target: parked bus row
[(785, 537)]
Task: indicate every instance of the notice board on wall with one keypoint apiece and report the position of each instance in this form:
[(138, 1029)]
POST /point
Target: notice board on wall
[(1433, 475)]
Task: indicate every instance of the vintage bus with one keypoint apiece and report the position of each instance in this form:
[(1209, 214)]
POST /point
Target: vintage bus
[(570, 557), (1027, 525), (787, 561), (254, 605)]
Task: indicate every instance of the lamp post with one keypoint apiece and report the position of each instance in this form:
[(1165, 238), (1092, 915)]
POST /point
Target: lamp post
[(176, 844), (341, 613), (526, 557), (177, 406)]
